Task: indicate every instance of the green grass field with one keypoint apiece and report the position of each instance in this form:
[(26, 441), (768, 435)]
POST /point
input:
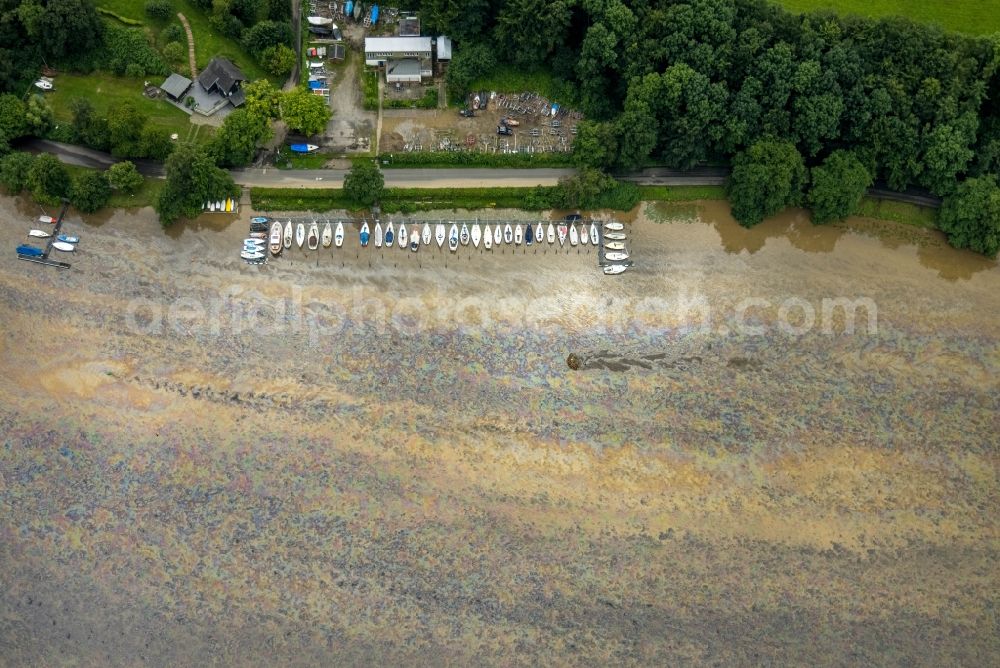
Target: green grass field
[(975, 17), (105, 90)]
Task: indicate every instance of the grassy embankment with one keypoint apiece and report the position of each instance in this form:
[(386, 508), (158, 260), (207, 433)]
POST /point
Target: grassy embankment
[(144, 196), (975, 17), (394, 200)]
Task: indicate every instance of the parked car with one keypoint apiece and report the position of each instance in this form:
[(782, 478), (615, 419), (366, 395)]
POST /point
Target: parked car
[(504, 130), (466, 113)]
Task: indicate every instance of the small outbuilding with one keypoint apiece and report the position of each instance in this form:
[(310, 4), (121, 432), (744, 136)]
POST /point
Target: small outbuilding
[(443, 48), (176, 86)]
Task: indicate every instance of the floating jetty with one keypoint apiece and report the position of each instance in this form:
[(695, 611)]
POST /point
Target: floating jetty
[(44, 257)]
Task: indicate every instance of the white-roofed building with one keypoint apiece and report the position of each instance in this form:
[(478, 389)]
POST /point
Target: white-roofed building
[(406, 59)]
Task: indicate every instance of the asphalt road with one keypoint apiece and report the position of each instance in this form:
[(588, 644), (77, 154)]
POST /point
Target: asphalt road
[(435, 178), (404, 178)]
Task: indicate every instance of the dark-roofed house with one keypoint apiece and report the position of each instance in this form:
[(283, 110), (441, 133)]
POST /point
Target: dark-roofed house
[(175, 86), (223, 77)]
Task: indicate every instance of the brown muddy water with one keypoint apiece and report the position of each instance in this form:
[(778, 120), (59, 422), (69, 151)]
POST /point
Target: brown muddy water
[(352, 456)]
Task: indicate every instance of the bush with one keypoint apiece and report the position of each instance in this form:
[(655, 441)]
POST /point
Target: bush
[(124, 176), (174, 33), (174, 52), (160, 10), (14, 171), (428, 101), (90, 191)]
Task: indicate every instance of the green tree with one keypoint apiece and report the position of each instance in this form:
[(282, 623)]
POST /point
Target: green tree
[(267, 34), (278, 60), (65, 27), (595, 145), (304, 112), (12, 124), (38, 116), (837, 187), (364, 183), (971, 215), (88, 127), (948, 154), (48, 179), (581, 188), (124, 176), (236, 141), (262, 99), (766, 178), (468, 64), (192, 180), (155, 143), (528, 31), (15, 169), (125, 125), (89, 191)]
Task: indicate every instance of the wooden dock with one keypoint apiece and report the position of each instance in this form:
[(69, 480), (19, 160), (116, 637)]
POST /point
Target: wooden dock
[(44, 257)]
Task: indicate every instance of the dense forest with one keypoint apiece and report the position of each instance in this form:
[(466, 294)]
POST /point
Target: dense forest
[(743, 82)]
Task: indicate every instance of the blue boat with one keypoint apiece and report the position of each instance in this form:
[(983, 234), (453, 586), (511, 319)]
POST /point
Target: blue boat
[(30, 251), (529, 236), (260, 219), (364, 235), (303, 148), (374, 14), (389, 235), (349, 8), (68, 238)]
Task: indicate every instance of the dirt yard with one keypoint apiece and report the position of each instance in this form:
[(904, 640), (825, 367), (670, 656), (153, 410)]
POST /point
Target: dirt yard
[(445, 129)]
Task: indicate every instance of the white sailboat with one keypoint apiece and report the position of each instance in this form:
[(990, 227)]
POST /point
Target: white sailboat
[(378, 235), (402, 235), (327, 235), (497, 235), (518, 235), (338, 237), (550, 235), (439, 234), (426, 236), (574, 236), (476, 235), (453, 238)]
